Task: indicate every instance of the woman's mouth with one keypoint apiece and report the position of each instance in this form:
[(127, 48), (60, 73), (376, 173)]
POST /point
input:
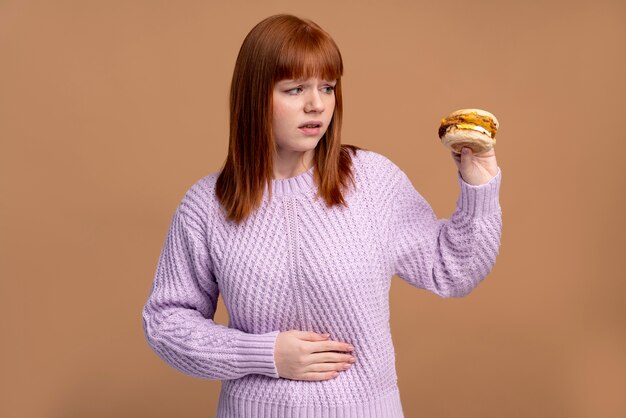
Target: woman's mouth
[(311, 128)]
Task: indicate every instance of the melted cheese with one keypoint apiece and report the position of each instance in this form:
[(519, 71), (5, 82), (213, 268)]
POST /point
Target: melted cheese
[(473, 127)]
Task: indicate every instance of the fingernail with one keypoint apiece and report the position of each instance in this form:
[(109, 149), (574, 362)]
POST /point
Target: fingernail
[(465, 150), (325, 335), (350, 348)]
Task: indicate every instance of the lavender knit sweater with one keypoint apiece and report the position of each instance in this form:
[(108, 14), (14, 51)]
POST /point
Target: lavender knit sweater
[(295, 264)]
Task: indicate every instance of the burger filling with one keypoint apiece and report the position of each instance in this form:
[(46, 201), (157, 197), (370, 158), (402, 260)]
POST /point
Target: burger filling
[(474, 128), (471, 121)]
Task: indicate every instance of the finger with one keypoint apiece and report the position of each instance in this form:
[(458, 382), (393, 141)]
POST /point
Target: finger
[(311, 336), (466, 156), (320, 376), (328, 345), (330, 356), (325, 367)]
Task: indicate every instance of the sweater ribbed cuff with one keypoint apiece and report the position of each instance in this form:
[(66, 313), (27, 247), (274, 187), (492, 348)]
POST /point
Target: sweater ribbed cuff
[(257, 353), (481, 200)]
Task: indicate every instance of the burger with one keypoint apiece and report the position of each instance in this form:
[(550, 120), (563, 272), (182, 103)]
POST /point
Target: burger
[(472, 128)]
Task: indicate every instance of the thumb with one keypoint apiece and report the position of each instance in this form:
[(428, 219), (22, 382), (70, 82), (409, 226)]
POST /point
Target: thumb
[(466, 155)]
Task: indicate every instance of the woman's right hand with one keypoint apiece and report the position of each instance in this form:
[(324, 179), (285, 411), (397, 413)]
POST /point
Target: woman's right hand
[(302, 355)]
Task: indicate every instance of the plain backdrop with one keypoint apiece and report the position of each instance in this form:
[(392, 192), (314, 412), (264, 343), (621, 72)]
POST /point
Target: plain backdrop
[(111, 109)]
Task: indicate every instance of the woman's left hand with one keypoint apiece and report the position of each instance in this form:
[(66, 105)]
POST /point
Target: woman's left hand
[(476, 169)]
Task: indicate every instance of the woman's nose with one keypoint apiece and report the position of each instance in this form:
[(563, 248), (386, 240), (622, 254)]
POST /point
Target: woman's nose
[(314, 102)]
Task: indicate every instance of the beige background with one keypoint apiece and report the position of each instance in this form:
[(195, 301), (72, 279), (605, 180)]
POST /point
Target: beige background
[(110, 110)]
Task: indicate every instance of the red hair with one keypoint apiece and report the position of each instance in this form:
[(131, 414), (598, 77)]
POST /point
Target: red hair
[(279, 47)]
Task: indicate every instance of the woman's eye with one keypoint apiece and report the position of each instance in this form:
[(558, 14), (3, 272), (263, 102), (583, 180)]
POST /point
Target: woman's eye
[(297, 90)]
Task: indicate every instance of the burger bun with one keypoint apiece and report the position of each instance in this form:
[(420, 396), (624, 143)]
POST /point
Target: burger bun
[(456, 139), (479, 140)]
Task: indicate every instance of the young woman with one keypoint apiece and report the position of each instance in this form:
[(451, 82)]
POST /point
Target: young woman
[(301, 235)]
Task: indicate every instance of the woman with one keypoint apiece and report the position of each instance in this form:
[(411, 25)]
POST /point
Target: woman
[(301, 235)]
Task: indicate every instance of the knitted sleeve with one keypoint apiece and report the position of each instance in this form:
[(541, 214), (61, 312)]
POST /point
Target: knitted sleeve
[(449, 257), (178, 315)]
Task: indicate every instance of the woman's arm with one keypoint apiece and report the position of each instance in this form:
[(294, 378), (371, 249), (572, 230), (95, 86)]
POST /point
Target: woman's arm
[(446, 256), (178, 315)]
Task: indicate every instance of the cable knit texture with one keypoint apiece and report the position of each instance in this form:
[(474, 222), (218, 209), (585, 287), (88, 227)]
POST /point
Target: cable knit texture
[(297, 264)]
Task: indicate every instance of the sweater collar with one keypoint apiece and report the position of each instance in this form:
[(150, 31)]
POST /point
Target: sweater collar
[(293, 185)]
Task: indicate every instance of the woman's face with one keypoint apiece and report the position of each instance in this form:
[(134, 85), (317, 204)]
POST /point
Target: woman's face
[(302, 111)]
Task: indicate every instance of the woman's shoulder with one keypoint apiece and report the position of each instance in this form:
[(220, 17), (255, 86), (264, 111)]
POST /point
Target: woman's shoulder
[(199, 198), (375, 165), (203, 186)]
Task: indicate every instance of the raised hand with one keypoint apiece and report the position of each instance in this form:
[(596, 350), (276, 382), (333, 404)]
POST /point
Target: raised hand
[(476, 169)]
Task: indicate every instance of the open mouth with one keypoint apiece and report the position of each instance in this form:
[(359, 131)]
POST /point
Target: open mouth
[(311, 125)]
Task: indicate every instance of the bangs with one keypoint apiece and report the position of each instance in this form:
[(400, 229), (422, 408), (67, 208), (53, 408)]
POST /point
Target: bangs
[(309, 53)]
